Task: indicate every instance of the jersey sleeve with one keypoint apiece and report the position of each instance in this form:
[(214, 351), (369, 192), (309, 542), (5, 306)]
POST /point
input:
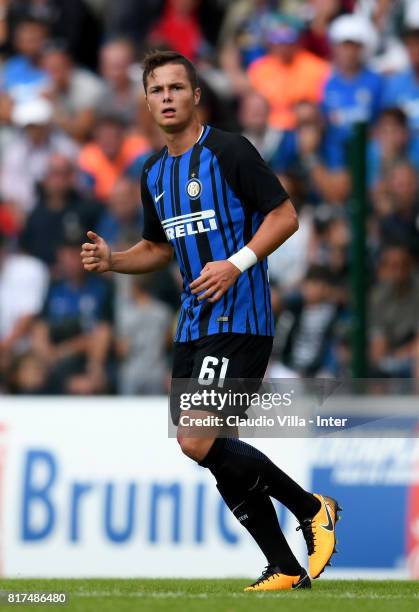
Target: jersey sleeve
[(153, 229), (251, 178)]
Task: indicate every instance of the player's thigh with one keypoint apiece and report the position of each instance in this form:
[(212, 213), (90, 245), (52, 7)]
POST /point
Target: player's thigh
[(231, 366), (231, 356), (219, 362)]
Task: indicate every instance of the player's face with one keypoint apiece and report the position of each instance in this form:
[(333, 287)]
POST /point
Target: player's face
[(171, 99)]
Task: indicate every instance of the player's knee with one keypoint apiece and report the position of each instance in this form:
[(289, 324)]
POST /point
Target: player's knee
[(192, 447)]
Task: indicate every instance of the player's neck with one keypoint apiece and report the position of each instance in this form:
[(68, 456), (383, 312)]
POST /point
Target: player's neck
[(180, 142)]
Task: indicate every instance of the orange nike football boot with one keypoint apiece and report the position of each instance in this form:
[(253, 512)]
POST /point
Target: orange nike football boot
[(319, 534), (272, 580)]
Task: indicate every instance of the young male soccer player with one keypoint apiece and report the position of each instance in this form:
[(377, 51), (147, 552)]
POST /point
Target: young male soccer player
[(209, 198)]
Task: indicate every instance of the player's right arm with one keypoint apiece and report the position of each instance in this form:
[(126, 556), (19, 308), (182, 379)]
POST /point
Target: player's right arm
[(145, 256), (151, 253)]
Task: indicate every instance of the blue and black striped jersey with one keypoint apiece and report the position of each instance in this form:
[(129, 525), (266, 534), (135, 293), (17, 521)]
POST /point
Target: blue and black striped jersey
[(208, 203)]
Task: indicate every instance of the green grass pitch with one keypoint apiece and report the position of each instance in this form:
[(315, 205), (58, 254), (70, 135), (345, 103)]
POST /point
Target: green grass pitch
[(199, 595)]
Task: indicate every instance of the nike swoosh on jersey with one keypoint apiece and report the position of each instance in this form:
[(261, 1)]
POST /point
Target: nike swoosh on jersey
[(157, 198), (329, 526)]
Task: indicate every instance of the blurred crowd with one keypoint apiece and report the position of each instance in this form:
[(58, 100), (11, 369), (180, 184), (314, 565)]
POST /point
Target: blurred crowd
[(295, 77)]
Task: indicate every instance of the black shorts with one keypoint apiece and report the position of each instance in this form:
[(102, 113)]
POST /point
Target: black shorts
[(211, 362)]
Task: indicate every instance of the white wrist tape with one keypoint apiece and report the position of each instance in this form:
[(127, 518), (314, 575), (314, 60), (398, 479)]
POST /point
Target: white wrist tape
[(243, 259)]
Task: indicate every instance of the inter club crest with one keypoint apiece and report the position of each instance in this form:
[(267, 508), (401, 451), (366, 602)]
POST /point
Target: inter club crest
[(194, 188)]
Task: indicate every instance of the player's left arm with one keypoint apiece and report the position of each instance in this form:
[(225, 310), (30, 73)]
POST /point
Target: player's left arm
[(275, 229), (259, 189), (218, 276)]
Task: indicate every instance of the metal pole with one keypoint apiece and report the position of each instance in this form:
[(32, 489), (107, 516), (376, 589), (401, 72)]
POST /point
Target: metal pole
[(358, 260)]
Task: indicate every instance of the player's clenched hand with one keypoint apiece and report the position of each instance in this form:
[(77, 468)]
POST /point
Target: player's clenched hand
[(215, 278), (96, 255)]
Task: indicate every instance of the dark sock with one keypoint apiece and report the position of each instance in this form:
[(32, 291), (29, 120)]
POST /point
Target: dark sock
[(242, 463), (257, 514)]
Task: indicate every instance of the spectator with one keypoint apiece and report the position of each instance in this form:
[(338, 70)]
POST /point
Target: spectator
[(156, 143), (74, 92), (310, 316), (73, 334), (312, 157), (60, 211), (390, 144), (394, 307), (305, 154), (216, 106), (143, 335), (253, 116), (211, 14), (398, 214), (315, 38), (163, 284), (243, 25), (46, 46), (4, 26), (386, 17), (23, 77), (402, 89), (122, 94), (28, 375), (123, 213), (130, 18), (179, 28), (32, 148), (242, 39), (23, 285), (75, 22), (72, 20), (330, 246), (8, 223), (109, 156), (288, 264), (353, 93), (289, 69)]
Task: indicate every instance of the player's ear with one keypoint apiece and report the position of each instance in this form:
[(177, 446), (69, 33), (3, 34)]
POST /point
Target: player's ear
[(197, 95), (146, 98)]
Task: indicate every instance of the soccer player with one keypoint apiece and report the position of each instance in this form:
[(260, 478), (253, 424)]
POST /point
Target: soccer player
[(209, 198)]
